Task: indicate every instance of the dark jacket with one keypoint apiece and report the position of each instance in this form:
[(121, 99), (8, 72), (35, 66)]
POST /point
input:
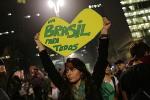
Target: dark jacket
[(93, 82), (3, 81), (13, 88), (3, 95), (136, 80)]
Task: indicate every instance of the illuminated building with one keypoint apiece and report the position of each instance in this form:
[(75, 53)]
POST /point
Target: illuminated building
[(137, 13)]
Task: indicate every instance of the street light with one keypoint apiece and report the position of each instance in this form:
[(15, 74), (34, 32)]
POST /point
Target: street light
[(56, 5), (60, 3)]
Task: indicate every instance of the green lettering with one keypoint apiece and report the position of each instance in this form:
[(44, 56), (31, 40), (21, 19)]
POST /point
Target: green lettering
[(50, 21), (75, 46), (52, 41), (57, 30), (49, 31), (72, 29), (79, 27), (64, 31), (65, 47), (56, 47), (82, 31), (61, 48)]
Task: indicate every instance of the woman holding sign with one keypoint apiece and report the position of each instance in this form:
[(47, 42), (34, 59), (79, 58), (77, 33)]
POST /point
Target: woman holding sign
[(78, 83)]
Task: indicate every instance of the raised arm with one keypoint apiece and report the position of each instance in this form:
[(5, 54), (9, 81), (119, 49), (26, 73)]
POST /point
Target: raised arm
[(101, 63), (49, 67)]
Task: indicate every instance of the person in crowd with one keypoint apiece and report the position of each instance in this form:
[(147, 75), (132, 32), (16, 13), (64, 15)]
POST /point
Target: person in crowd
[(135, 82), (138, 50), (46, 86), (37, 83), (121, 67), (78, 83), (109, 88), (14, 85), (3, 76), (3, 81)]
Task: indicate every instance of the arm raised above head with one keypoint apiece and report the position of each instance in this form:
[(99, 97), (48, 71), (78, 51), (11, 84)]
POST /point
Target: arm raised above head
[(101, 63), (48, 65)]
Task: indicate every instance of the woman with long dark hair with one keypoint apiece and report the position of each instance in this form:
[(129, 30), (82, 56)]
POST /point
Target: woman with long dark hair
[(78, 83)]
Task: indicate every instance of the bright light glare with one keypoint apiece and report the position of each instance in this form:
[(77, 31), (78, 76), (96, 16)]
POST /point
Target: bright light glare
[(72, 55), (9, 14), (60, 3), (38, 14), (12, 31), (51, 4), (6, 32), (56, 5), (28, 17), (52, 55), (7, 57)]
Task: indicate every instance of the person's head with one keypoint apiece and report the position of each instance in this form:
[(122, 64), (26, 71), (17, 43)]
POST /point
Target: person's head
[(120, 64), (139, 49), (108, 70), (19, 74), (35, 71), (75, 70), (2, 66), (31, 69)]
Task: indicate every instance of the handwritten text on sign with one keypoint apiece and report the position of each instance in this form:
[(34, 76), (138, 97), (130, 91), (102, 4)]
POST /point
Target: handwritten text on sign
[(65, 38)]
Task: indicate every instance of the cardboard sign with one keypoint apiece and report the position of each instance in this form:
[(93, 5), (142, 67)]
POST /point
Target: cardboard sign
[(66, 38)]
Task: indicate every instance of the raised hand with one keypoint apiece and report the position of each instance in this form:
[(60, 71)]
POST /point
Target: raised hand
[(106, 25), (38, 43)]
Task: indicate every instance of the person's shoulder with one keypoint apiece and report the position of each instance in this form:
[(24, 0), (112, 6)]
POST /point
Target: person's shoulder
[(128, 74), (141, 67), (146, 59), (136, 71)]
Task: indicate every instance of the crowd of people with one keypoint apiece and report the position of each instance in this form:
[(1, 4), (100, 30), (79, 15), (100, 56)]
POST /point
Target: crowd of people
[(125, 80)]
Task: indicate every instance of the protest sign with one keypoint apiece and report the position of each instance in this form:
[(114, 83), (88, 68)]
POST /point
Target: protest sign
[(66, 38)]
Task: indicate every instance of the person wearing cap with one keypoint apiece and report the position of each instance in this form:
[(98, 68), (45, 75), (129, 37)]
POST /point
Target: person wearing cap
[(78, 83)]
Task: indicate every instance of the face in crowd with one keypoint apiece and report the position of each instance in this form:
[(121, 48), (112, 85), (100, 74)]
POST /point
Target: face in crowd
[(2, 68), (108, 70), (72, 73), (75, 70)]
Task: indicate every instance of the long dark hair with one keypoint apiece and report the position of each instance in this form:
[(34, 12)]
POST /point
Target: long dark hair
[(80, 65), (91, 89)]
